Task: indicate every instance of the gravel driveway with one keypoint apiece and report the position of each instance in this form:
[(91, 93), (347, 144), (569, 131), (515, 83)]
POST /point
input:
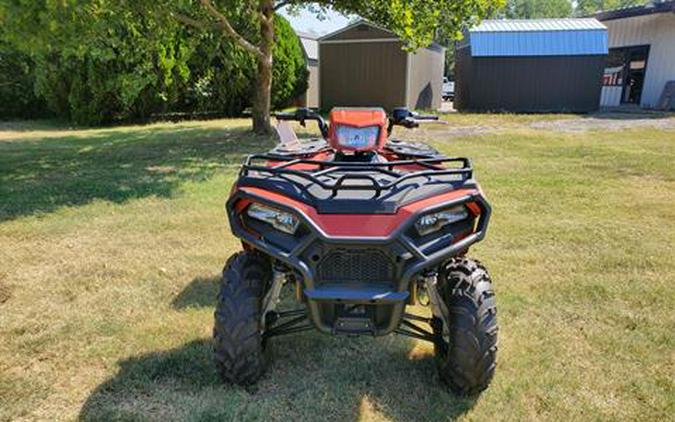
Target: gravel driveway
[(608, 121)]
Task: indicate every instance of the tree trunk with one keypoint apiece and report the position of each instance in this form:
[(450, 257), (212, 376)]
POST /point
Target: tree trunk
[(263, 88), (262, 97)]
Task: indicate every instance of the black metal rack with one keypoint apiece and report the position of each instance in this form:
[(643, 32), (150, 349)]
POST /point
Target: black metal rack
[(322, 172)]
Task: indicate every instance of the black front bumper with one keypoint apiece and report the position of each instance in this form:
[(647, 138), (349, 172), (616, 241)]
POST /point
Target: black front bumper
[(381, 298)]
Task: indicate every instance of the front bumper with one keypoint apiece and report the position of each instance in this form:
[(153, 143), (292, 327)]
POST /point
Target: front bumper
[(386, 293)]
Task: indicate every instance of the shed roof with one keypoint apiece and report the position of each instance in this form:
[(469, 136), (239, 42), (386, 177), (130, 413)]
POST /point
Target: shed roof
[(359, 23), (310, 45), (379, 34), (538, 37), (526, 25)]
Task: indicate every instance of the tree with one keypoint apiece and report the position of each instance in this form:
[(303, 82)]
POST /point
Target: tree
[(534, 9), (289, 70), (222, 76), (94, 61), (588, 7), (17, 79), (417, 22), (89, 38)]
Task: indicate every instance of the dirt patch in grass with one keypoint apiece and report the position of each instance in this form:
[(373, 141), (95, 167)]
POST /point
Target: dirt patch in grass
[(5, 292), (453, 126)]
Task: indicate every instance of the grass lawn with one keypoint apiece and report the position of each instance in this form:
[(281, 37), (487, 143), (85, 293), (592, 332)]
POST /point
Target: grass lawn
[(112, 241)]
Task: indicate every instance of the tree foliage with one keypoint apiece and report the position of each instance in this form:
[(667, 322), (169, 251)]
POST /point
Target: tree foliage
[(289, 70), (17, 81), (587, 7), (222, 76), (97, 61), (417, 22), (92, 62), (534, 9)]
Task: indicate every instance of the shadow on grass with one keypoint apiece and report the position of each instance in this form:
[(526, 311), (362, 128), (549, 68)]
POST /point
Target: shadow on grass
[(200, 293), (31, 125), (312, 377), (43, 174)]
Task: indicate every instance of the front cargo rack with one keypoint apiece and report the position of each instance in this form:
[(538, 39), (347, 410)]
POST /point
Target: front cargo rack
[(334, 176)]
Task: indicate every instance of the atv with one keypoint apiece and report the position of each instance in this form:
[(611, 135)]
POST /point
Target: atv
[(361, 226)]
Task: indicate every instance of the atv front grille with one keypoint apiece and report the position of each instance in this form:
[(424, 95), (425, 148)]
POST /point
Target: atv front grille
[(355, 266)]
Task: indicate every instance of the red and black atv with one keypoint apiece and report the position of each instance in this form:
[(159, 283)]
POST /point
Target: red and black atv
[(361, 226)]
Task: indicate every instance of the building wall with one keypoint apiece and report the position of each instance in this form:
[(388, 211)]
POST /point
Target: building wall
[(463, 62), (310, 98), (362, 74), (658, 31), (312, 93), (528, 84), (425, 78)]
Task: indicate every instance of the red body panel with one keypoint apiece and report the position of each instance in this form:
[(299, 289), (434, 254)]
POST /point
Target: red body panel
[(357, 225), (357, 117)]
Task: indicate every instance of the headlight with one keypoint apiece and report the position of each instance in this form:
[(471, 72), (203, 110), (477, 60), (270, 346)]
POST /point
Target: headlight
[(280, 220), (433, 222), (357, 137)]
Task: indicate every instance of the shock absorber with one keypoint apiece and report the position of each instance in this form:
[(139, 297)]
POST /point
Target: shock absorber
[(271, 299), (438, 308)]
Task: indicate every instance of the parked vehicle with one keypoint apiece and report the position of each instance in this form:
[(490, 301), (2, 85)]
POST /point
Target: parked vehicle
[(361, 226), (448, 90)]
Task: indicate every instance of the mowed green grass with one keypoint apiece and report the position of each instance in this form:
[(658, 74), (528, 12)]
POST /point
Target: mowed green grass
[(112, 241)]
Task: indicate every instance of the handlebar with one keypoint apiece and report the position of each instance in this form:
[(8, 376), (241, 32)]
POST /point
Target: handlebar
[(408, 123), (303, 114), (398, 117), (408, 119)]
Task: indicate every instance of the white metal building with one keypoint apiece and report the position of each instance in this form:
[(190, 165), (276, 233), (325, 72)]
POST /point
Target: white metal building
[(641, 57)]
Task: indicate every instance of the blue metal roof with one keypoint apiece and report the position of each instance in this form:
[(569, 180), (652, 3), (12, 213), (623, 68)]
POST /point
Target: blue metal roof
[(520, 25), (539, 37)]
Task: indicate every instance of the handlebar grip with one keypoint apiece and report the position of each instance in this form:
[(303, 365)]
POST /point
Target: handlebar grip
[(426, 117), (285, 116), (409, 123)]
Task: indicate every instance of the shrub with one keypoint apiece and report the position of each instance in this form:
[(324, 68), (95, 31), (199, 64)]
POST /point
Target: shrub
[(223, 74), (289, 70), (17, 81), (102, 65)]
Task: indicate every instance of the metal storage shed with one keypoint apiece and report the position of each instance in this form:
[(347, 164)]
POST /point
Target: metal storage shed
[(544, 65), (365, 65)]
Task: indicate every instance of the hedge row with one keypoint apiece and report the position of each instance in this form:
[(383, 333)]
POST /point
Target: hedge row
[(124, 71)]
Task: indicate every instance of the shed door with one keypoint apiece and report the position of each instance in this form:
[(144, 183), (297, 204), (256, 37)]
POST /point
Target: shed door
[(364, 74)]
